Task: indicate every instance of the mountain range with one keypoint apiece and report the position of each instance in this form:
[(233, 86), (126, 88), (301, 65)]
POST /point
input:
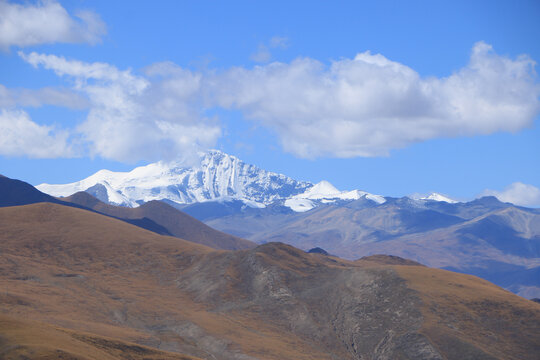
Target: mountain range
[(497, 241), (80, 282), (218, 177), (155, 216)]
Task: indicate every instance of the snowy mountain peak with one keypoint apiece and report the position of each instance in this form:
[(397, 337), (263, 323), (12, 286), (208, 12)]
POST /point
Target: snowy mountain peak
[(439, 197), (217, 176), (434, 197), (321, 190), (325, 192)]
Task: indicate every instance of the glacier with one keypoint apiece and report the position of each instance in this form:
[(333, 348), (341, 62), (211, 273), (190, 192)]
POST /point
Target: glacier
[(216, 177)]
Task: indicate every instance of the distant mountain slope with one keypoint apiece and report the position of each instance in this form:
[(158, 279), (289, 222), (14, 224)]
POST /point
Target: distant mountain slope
[(154, 216), (174, 221), (484, 237), (90, 273), (15, 192)]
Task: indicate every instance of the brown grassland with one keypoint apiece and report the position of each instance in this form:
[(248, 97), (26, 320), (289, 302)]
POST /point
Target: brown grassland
[(79, 285)]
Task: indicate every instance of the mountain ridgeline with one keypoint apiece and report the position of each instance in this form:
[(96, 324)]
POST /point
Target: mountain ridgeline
[(497, 241), (169, 220), (80, 284), (218, 176), (155, 216)]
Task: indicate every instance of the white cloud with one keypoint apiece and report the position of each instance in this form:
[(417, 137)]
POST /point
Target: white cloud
[(365, 106), (369, 105), (19, 135), (517, 193), (82, 72), (11, 98), (46, 22), (133, 117)]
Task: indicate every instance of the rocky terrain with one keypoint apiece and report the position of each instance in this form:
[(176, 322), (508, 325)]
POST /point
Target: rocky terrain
[(76, 271), (497, 241)]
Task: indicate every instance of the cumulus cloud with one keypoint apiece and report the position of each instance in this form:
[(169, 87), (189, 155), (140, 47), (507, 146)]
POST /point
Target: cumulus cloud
[(517, 193), (19, 135), (46, 22), (133, 117), (364, 106), (369, 105)]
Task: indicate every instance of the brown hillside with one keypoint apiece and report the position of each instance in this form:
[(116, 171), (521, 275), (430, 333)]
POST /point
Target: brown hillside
[(36, 340), (459, 313), (86, 272), (389, 260), (175, 221)]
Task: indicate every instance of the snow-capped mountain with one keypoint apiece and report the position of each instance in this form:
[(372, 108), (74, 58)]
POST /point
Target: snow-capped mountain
[(218, 177), (439, 197), (326, 193), (434, 197)]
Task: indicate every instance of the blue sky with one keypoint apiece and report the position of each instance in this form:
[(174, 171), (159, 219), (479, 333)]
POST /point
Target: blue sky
[(390, 97)]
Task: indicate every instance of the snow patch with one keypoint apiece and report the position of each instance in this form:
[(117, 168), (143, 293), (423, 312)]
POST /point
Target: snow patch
[(321, 190), (432, 197), (324, 192), (299, 205), (439, 197)]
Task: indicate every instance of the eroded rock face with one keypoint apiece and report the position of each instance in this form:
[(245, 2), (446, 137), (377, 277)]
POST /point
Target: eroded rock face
[(350, 313)]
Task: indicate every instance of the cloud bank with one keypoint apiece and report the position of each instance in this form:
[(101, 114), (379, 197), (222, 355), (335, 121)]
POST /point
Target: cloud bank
[(517, 193), (364, 106), (133, 117), (46, 22), (369, 105)]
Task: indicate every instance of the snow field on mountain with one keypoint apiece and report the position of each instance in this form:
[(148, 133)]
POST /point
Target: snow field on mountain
[(218, 177)]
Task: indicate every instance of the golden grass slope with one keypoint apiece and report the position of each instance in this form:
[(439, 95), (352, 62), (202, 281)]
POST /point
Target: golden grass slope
[(87, 272), (175, 221), (464, 311), (79, 272), (34, 340)]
